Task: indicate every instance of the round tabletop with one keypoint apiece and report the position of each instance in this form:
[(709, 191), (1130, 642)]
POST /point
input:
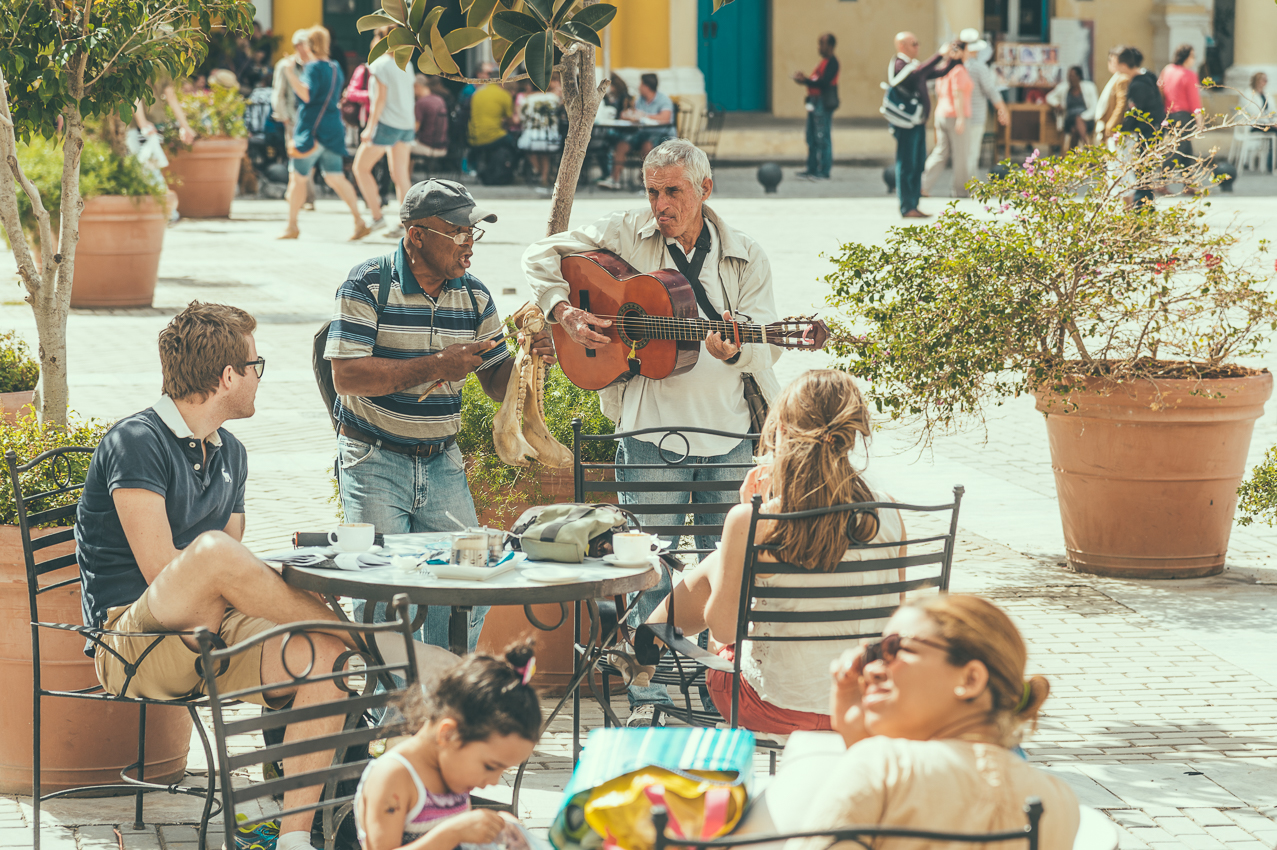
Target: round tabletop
[(593, 579)]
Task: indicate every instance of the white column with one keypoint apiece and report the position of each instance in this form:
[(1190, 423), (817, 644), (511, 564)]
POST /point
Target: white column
[(1254, 28), (1176, 23), (953, 16)]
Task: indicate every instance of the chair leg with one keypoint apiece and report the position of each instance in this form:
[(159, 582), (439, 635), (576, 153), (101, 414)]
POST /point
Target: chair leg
[(771, 762), (212, 778), (141, 766), (35, 768)]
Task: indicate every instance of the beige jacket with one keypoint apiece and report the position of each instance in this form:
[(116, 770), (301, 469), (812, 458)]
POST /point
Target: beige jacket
[(743, 270)]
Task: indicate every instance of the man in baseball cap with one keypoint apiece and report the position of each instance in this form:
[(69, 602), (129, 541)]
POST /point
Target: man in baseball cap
[(400, 357)]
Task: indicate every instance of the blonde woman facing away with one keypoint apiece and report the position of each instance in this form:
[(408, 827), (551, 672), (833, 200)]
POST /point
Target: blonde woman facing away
[(929, 714)]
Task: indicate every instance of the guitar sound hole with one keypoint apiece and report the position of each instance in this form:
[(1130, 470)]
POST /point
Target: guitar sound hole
[(632, 325)]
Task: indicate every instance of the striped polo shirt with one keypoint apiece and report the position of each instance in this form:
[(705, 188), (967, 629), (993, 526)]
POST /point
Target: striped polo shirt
[(412, 325)]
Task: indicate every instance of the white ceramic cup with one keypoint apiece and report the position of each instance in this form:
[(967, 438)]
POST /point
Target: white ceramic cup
[(632, 547), (353, 536)]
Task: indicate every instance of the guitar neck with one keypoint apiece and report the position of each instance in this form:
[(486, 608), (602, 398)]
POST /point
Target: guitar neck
[(661, 327)]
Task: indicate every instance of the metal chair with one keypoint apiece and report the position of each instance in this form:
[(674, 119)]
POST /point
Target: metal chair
[(1031, 833), (926, 565), (667, 672), (359, 682), (64, 475)]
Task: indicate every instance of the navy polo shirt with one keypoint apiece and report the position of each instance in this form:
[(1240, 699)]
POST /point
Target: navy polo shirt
[(152, 450)]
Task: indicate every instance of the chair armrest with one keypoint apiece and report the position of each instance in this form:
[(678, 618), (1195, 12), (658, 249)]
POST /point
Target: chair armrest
[(90, 631), (681, 645)]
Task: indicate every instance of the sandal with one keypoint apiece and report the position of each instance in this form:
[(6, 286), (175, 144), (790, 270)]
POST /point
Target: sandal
[(360, 232), (289, 234)]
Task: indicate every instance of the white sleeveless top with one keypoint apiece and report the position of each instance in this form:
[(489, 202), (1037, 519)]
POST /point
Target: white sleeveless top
[(795, 674)]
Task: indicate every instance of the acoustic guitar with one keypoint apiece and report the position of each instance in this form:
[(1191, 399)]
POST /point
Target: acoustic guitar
[(656, 329)]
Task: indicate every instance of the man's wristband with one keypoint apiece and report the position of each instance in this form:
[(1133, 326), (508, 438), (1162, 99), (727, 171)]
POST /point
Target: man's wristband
[(734, 358)]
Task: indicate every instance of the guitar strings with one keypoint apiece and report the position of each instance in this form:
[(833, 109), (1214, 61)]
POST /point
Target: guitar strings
[(695, 329)]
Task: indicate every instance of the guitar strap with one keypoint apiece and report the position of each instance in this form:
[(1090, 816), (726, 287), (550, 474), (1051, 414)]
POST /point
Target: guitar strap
[(691, 269)]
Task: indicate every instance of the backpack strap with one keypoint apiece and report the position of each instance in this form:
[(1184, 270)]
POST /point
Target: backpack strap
[(385, 265)]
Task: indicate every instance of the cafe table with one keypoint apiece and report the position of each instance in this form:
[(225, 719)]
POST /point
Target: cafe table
[(520, 583)]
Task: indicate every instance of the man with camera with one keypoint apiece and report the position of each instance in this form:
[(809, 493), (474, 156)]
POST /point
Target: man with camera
[(910, 76)]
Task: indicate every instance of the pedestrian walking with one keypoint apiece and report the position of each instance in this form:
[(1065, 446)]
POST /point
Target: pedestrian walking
[(983, 92), (821, 101), (1111, 104), (390, 132), (283, 100), (1143, 114), (1183, 100), (953, 114), (909, 76)]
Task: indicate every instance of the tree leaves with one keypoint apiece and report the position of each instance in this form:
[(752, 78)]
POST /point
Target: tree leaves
[(369, 23), (543, 9), (514, 25), (378, 49), (480, 13), (580, 32), (443, 56), (513, 55), (540, 59), (418, 15), (596, 17), (460, 39), (395, 9)]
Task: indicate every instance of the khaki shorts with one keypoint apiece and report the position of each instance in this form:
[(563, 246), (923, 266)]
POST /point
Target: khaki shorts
[(168, 671)]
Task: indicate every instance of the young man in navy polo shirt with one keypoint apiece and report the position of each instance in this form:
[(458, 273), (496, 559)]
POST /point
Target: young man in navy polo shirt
[(158, 534)]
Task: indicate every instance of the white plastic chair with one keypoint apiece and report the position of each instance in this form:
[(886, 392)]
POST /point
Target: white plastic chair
[(1252, 149)]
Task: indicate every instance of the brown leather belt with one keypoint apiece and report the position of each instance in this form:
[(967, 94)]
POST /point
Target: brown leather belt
[(428, 449)]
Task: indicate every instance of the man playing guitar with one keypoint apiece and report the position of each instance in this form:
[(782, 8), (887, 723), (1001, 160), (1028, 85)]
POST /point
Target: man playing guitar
[(678, 231)]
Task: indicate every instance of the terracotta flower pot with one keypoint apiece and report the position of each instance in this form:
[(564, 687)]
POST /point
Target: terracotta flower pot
[(82, 742), (117, 260), (13, 405), (205, 176), (1149, 492)]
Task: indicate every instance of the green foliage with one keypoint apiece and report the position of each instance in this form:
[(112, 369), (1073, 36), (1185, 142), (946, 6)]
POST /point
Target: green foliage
[(29, 438), (1258, 493), (124, 44), (216, 112), (18, 371), (1057, 281), (492, 481), (101, 173), (529, 31)]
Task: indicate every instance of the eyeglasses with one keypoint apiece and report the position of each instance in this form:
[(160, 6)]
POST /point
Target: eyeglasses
[(473, 234), (886, 649), (259, 365)]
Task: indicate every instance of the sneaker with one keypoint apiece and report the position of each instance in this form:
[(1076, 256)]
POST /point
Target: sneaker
[(609, 183), (377, 224), (263, 836), (394, 231), (644, 716), (805, 175)]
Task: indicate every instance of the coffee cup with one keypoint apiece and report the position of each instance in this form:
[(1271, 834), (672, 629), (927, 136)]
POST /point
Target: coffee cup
[(470, 549), (632, 547), (353, 536)]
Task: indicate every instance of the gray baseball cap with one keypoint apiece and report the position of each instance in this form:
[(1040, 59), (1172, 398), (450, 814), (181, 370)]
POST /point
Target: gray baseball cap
[(447, 199)]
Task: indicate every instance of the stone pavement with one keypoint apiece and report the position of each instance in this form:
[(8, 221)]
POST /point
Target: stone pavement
[(1164, 711)]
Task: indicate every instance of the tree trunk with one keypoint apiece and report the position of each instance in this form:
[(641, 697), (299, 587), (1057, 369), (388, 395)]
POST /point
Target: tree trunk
[(114, 133), (581, 99)]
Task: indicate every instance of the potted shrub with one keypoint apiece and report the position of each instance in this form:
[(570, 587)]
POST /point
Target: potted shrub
[(121, 225), (19, 374), (205, 173), (1123, 324), (84, 742), (503, 492)]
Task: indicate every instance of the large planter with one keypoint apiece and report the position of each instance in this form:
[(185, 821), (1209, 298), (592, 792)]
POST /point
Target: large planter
[(205, 176), (14, 405), (117, 260), (1147, 473), (83, 742)]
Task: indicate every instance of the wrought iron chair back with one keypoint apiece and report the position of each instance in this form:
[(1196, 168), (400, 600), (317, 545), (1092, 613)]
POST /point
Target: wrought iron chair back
[(674, 450), (1031, 833), (359, 682), (51, 475)]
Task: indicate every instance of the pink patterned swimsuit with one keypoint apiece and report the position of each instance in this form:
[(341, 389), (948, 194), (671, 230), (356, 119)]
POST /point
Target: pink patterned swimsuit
[(425, 814)]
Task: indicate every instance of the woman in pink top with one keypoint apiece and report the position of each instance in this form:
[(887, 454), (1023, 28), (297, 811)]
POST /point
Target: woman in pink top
[(1179, 85), (953, 108)]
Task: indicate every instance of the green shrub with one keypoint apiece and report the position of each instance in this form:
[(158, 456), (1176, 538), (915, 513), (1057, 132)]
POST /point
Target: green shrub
[(28, 438), (216, 112), (101, 173), (18, 372)]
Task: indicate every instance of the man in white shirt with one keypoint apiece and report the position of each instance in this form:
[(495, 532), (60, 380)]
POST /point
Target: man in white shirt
[(392, 124), (984, 91), (736, 280)]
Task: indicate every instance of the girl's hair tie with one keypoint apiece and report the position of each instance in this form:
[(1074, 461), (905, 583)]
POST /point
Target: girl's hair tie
[(828, 439), (1024, 700), (527, 671)]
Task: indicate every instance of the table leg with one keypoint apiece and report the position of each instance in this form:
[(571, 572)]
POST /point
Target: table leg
[(459, 630)]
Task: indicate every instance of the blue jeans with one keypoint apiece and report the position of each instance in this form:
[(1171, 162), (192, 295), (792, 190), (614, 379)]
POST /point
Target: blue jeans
[(400, 495), (630, 450), (911, 156), (820, 143)]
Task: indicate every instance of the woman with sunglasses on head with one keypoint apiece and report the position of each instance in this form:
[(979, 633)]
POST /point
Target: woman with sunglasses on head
[(929, 714), (810, 433)]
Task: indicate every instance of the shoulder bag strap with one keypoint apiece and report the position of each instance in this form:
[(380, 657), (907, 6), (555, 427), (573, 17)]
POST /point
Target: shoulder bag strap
[(386, 263)]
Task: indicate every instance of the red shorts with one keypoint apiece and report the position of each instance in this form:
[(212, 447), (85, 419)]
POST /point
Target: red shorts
[(754, 714)]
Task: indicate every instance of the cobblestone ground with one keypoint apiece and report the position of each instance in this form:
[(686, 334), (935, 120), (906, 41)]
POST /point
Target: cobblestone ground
[(1164, 705)]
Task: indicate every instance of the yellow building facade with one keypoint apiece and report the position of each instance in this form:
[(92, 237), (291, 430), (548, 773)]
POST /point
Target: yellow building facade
[(743, 56)]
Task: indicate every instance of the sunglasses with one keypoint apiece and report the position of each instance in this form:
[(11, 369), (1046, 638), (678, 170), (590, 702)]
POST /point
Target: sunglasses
[(259, 365), (888, 648), (461, 238)]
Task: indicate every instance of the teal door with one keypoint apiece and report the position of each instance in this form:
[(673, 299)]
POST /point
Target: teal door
[(732, 54)]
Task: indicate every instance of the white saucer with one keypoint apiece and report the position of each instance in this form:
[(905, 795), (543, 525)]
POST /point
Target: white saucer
[(614, 561), (551, 575)]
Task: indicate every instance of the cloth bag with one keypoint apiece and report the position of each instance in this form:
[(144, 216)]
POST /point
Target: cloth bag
[(701, 776), (567, 533)]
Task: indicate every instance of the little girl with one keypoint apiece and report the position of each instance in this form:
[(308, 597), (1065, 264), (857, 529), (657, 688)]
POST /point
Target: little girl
[(483, 718)]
